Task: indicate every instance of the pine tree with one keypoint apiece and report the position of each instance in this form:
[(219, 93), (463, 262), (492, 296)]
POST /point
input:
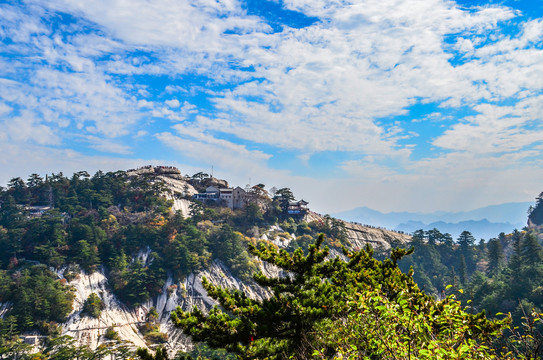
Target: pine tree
[(160, 354), (466, 242), (315, 295), (418, 238), (515, 262), (463, 271), (495, 256), (530, 250), (434, 236), (516, 237), (535, 215)]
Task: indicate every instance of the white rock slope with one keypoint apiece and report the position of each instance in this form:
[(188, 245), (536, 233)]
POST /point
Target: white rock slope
[(186, 294)]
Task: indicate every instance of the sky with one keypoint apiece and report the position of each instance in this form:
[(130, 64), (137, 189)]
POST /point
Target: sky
[(398, 105)]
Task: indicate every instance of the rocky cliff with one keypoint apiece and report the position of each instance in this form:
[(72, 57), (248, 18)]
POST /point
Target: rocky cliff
[(186, 294), (359, 235)]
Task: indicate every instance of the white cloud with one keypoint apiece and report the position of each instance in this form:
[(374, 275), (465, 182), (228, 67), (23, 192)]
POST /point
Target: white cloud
[(210, 150), (324, 86), (20, 26), (27, 128), (497, 129), (89, 98), (5, 109), (173, 103), (197, 26), (107, 146)]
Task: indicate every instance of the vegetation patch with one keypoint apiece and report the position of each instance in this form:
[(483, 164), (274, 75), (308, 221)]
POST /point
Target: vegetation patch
[(92, 306), (151, 329), (111, 334), (37, 296)]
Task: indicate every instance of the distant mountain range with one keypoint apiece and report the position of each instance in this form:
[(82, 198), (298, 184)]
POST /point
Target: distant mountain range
[(486, 222)]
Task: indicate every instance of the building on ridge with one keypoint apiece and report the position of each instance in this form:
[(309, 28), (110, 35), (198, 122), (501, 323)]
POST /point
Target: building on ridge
[(234, 198), (297, 208)]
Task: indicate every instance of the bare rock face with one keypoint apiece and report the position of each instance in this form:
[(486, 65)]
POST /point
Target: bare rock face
[(186, 294), (178, 186), (360, 235), (89, 331), (182, 205), (4, 308)]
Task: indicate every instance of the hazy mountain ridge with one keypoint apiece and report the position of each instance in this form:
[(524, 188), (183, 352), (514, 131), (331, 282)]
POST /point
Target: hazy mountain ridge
[(485, 222), (480, 229)]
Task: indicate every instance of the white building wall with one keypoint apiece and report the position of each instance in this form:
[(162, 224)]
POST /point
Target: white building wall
[(238, 197), (226, 197)]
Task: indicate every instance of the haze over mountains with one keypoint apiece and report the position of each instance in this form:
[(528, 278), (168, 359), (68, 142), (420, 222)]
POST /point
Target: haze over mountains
[(486, 222)]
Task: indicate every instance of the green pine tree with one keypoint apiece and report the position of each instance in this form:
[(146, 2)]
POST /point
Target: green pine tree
[(315, 296), (495, 256)]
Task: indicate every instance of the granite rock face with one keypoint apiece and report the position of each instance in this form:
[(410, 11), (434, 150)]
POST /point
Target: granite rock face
[(186, 294), (359, 235)]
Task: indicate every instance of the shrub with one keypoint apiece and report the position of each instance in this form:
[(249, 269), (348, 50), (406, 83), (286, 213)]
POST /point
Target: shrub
[(93, 306), (111, 334), (156, 337)]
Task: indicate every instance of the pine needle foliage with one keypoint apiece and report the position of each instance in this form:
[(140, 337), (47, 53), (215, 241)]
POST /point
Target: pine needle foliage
[(316, 293)]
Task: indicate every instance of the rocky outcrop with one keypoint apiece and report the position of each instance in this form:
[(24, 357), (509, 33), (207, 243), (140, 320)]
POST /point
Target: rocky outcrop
[(170, 171), (178, 186), (186, 293), (360, 235), (89, 331), (218, 183)]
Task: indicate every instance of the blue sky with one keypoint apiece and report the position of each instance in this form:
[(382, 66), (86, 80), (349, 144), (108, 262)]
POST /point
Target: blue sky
[(416, 105)]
